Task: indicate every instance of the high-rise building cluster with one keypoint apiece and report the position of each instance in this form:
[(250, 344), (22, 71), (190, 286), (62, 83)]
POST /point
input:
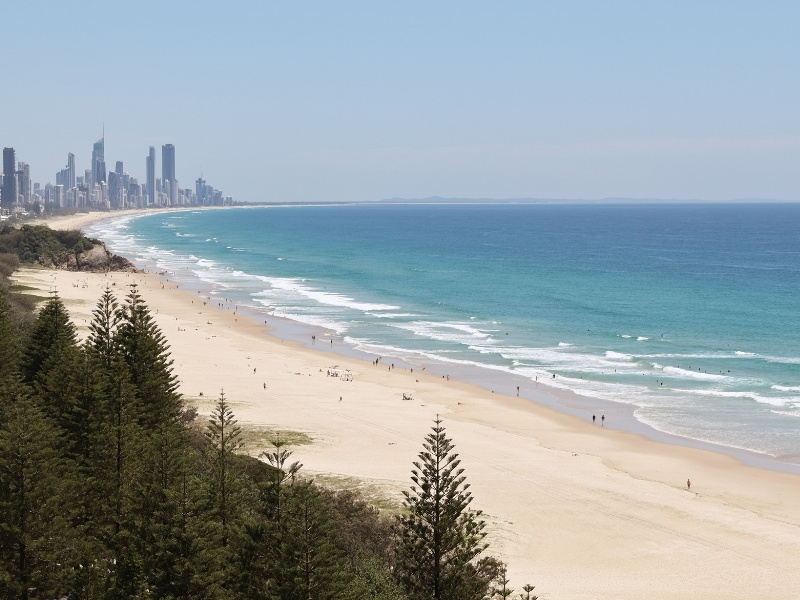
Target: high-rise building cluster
[(102, 189)]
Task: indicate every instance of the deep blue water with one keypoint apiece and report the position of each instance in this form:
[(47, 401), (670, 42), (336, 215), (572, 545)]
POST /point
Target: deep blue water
[(688, 312)]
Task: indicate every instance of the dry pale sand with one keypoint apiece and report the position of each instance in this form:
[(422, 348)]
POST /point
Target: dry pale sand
[(578, 510), (80, 219)]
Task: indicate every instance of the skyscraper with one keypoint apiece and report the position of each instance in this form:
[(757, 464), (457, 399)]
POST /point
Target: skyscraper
[(168, 181), (168, 163), (66, 176), (99, 161), (24, 181), (10, 189), (151, 176), (119, 170), (70, 183), (115, 190)]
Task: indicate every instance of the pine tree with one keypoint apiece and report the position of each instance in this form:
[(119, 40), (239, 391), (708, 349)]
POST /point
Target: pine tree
[(120, 469), (313, 565), (35, 502), (52, 329), (145, 354), (196, 570), (102, 340), (439, 539), (145, 351), (165, 514), (501, 591), (282, 472), (226, 439), (528, 589), (57, 384), (261, 558)]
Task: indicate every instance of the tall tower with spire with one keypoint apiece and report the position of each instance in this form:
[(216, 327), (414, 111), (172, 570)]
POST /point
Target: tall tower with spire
[(99, 159)]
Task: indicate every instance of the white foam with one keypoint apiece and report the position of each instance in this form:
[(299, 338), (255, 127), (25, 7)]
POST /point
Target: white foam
[(461, 333), (786, 388), (564, 345), (618, 355), (559, 359), (615, 392), (315, 320), (641, 338), (626, 336), (685, 373), (771, 400), (211, 277), (393, 315), (329, 298), (721, 355), (787, 413), (376, 348), (786, 360)]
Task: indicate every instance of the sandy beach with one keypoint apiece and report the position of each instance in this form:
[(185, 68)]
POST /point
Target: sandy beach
[(577, 509)]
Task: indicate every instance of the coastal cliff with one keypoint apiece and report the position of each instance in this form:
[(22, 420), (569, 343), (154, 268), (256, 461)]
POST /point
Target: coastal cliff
[(96, 259), (68, 250)]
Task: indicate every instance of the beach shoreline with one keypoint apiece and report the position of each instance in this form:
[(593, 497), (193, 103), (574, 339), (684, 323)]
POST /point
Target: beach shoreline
[(575, 508), (621, 415)]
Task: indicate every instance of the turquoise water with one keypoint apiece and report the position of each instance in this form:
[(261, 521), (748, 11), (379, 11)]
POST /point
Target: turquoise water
[(688, 313)]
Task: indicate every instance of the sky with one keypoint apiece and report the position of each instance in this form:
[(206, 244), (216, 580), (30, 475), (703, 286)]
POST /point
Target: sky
[(361, 101)]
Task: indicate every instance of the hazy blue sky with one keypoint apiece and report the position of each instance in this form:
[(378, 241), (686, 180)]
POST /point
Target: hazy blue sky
[(363, 101)]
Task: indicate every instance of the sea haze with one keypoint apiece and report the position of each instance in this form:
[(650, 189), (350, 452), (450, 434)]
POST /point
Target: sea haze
[(688, 313)]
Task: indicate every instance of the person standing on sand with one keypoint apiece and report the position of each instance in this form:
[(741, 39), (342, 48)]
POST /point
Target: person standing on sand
[(688, 484), (594, 418), (603, 420)]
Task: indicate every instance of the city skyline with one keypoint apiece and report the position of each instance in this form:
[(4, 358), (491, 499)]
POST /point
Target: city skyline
[(100, 188)]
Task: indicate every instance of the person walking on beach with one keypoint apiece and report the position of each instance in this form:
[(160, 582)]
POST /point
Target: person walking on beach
[(594, 418), (603, 420), (688, 484)]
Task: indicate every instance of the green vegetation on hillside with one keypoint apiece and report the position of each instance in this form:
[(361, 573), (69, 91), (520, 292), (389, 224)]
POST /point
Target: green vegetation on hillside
[(42, 245)]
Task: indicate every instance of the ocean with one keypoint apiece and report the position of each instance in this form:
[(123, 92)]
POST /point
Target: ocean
[(688, 314)]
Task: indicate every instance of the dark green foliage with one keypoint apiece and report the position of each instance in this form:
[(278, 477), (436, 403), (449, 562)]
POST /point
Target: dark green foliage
[(363, 533), (40, 244), (528, 589), (36, 502), (295, 547), (440, 539), (225, 438), (144, 350), (312, 565), (102, 340), (9, 344), (52, 332)]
